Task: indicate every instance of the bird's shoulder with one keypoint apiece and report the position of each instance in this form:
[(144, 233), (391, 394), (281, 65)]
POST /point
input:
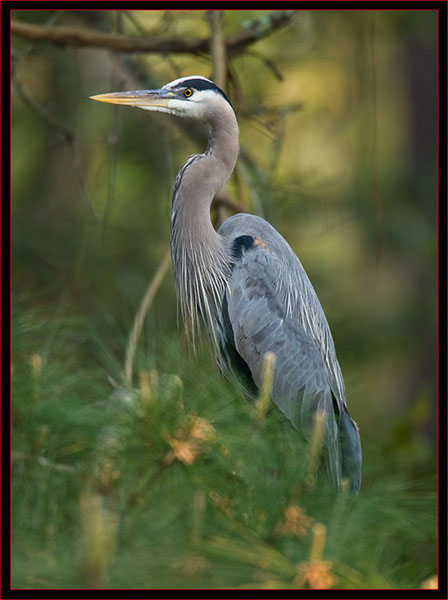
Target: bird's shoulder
[(263, 258), (251, 225)]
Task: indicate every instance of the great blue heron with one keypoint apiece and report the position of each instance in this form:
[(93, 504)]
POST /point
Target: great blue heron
[(246, 283)]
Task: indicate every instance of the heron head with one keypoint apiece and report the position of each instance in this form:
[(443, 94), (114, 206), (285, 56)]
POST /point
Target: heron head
[(195, 97)]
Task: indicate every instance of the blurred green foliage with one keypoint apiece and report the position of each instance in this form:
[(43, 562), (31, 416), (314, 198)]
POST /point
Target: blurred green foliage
[(176, 484), (340, 156)]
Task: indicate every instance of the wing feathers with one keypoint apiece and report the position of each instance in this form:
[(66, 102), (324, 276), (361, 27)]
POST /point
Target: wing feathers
[(261, 322), (270, 305)]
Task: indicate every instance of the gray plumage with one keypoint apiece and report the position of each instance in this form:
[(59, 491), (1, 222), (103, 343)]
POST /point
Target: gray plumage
[(247, 285), (272, 306)]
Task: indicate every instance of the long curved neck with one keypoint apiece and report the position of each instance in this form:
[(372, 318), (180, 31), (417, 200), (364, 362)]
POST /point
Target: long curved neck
[(200, 260)]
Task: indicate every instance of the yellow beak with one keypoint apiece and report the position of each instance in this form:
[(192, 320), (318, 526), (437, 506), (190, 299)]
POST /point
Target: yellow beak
[(141, 98)]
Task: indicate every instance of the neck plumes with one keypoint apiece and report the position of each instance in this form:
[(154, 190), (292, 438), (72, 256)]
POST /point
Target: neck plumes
[(200, 258)]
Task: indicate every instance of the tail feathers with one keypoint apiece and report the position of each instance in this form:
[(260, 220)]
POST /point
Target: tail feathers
[(350, 445)]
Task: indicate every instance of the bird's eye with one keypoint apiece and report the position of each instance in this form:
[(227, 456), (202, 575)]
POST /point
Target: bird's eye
[(188, 93)]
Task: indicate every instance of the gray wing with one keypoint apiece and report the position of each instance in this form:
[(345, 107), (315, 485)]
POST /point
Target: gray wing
[(270, 305)]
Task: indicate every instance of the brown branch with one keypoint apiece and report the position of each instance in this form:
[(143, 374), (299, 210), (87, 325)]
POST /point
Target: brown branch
[(223, 198), (139, 319), (268, 63), (257, 29), (376, 194), (219, 67), (68, 36), (218, 48)]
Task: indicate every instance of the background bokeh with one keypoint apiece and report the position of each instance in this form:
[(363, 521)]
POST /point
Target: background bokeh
[(338, 116)]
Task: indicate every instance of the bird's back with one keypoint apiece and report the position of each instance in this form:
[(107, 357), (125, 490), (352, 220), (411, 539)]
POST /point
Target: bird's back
[(289, 286), (270, 305)]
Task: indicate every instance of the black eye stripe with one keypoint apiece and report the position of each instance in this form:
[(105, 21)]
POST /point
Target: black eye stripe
[(199, 85)]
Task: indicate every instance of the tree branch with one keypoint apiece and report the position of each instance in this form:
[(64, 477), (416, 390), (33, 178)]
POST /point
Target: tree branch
[(140, 316), (68, 36), (223, 198), (218, 48), (219, 70)]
